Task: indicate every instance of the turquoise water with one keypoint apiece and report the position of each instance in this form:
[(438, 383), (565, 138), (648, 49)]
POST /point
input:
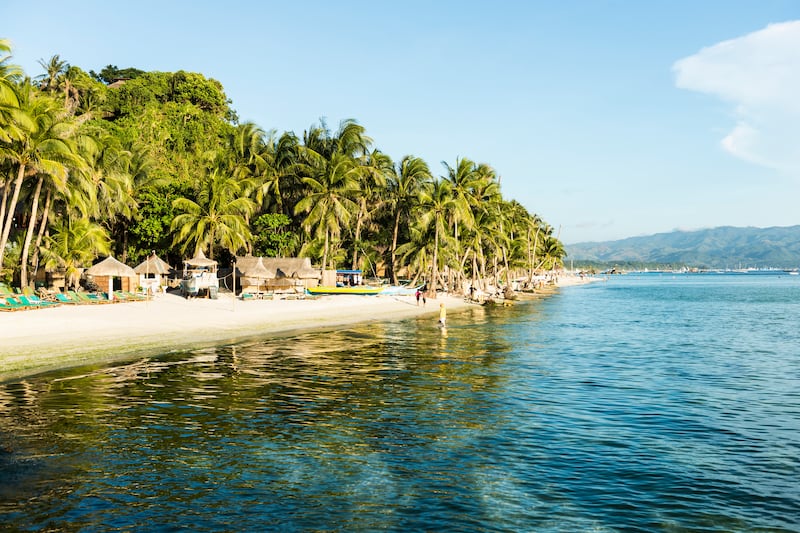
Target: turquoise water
[(645, 403)]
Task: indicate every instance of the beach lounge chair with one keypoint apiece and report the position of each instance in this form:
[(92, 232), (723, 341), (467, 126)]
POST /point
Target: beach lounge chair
[(126, 296), (34, 302), (14, 304), (86, 297), (66, 299), (4, 306)]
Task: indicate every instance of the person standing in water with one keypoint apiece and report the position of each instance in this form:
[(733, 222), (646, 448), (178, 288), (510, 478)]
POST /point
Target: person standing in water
[(442, 315)]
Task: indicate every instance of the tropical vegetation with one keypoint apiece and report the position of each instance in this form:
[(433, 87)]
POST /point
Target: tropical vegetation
[(129, 162)]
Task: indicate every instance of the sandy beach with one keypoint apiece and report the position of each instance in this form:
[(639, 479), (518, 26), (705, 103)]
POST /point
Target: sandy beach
[(71, 335)]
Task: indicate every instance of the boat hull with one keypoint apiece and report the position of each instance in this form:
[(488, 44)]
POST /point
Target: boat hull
[(361, 291)]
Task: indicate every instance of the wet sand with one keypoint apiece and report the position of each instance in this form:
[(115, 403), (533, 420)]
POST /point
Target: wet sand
[(72, 335)]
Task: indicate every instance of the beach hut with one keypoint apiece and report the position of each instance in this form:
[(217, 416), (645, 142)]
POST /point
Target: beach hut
[(109, 268), (288, 273), (298, 269), (152, 273), (254, 274), (199, 275)]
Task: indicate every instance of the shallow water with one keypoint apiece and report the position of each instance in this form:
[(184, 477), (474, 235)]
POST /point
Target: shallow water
[(650, 402)]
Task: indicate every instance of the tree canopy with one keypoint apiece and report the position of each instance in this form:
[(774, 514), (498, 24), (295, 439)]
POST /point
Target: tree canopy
[(128, 162)]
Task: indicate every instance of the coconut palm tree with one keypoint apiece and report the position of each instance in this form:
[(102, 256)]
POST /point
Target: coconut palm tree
[(10, 76), (218, 216), (332, 184), (72, 245), (55, 69), (278, 166), (375, 167), (42, 149), (436, 207), (403, 192)]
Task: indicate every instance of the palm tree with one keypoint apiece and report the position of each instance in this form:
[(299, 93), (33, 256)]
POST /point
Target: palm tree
[(219, 216), (9, 103), (74, 244), (328, 204), (403, 192), (375, 167), (54, 69), (437, 204), (277, 166), (42, 149)]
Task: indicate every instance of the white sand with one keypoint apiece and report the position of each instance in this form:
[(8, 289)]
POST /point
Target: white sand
[(70, 335)]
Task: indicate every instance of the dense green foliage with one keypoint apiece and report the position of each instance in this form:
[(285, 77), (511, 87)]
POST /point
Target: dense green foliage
[(157, 161)]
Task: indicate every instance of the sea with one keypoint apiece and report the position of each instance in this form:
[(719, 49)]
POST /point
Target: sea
[(643, 402)]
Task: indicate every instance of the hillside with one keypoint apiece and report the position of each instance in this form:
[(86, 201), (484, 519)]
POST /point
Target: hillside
[(723, 247)]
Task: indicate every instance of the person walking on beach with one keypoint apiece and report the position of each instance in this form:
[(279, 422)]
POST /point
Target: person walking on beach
[(418, 295), (442, 315)]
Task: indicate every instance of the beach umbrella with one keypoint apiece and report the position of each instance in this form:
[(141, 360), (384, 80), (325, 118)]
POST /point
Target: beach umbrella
[(153, 265), (200, 260), (112, 268), (258, 271)]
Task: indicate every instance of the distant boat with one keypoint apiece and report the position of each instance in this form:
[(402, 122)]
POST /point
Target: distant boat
[(400, 290), (363, 290)]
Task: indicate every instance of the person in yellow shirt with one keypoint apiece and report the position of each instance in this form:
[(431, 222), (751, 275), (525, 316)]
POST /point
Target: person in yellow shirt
[(442, 315)]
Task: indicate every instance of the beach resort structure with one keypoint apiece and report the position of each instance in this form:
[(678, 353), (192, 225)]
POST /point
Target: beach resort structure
[(256, 275), (153, 274), (107, 271), (199, 277)]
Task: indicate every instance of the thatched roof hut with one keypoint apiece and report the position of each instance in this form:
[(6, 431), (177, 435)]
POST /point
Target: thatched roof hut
[(286, 272), (153, 265), (104, 272), (293, 267), (152, 273), (200, 260), (253, 274)]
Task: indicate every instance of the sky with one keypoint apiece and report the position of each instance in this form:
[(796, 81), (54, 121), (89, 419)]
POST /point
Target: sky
[(609, 119)]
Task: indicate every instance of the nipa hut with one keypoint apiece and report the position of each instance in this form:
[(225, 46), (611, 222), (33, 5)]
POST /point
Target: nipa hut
[(253, 275), (288, 273), (106, 271), (153, 273)]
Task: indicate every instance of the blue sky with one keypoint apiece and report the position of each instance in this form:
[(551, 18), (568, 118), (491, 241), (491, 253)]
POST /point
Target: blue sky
[(609, 119)]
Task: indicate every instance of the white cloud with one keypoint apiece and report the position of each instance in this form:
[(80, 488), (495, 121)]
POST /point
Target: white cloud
[(759, 74)]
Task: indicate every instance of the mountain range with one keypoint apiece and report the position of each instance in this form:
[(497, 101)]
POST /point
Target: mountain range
[(722, 247)]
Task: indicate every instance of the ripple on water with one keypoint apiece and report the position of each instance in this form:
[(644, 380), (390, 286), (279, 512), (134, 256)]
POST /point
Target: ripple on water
[(638, 404)]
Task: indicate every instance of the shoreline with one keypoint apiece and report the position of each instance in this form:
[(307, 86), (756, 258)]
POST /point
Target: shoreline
[(42, 340)]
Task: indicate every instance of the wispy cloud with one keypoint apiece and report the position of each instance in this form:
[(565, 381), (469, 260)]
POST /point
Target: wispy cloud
[(759, 74)]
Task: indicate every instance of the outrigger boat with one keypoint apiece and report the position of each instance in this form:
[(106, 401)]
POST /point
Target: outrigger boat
[(363, 290)]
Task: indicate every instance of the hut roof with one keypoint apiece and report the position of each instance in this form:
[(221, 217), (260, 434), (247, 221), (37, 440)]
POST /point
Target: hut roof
[(200, 260), (292, 267), (153, 265), (282, 267), (111, 267), (257, 270)]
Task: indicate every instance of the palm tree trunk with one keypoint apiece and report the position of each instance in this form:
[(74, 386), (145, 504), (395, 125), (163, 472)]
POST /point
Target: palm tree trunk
[(357, 236), (394, 246), (23, 260), (325, 252), (42, 227), (434, 267), (3, 201), (12, 206)]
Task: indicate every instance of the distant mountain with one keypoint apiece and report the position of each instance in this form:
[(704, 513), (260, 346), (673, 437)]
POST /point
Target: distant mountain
[(723, 247)]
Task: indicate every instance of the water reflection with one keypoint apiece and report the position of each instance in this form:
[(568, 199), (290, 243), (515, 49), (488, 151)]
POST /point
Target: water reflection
[(374, 416), (537, 417)]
